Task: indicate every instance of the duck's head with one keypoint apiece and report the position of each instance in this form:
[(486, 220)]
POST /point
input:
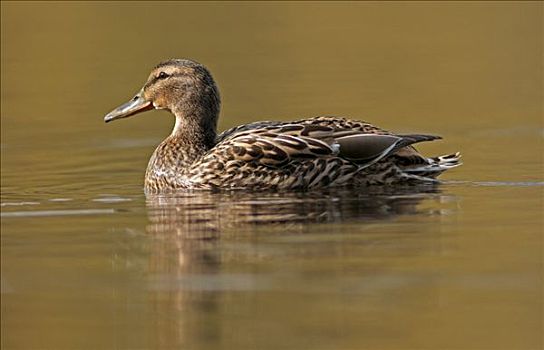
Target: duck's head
[(184, 87)]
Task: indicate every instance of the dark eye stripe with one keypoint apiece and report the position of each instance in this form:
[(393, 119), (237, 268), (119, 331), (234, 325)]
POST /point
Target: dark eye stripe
[(158, 78)]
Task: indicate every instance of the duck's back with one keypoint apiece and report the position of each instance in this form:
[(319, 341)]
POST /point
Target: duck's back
[(311, 153)]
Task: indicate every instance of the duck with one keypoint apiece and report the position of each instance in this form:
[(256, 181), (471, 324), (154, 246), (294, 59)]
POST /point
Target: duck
[(317, 152)]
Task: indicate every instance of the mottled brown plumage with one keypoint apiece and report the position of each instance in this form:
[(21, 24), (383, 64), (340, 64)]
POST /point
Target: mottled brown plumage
[(308, 153)]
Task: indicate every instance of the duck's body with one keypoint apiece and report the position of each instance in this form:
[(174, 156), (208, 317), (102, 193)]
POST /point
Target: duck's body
[(308, 153)]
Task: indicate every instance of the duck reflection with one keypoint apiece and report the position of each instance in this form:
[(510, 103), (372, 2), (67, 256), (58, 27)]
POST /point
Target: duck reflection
[(208, 249), (206, 215)]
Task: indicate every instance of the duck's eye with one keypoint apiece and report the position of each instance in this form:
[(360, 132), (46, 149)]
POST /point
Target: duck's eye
[(162, 75)]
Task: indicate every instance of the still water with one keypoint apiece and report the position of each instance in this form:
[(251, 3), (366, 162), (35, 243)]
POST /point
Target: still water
[(88, 262)]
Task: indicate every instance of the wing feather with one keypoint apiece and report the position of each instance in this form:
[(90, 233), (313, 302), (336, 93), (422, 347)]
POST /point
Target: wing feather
[(276, 143), (272, 149)]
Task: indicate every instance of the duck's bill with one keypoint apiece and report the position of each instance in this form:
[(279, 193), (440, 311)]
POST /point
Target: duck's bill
[(137, 105)]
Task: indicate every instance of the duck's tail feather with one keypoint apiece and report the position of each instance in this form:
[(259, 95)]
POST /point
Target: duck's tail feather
[(435, 165)]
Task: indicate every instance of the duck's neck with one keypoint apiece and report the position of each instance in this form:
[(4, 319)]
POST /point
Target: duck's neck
[(191, 138)]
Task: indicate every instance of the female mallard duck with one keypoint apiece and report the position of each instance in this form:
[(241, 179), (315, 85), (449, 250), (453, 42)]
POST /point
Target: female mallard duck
[(308, 153)]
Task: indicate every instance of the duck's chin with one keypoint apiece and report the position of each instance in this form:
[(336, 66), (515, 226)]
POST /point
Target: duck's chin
[(157, 106)]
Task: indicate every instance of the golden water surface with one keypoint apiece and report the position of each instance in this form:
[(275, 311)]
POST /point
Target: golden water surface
[(88, 262)]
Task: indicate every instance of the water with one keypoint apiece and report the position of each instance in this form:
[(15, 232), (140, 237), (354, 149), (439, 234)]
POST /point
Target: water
[(88, 262)]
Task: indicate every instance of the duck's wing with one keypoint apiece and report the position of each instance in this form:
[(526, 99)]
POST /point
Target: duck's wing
[(340, 127), (406, 157), (273, 149), (344, 126), (245, 127), (277, 144)]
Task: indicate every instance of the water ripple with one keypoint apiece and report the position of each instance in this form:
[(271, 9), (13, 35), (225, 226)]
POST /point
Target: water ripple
[(497, 183), (34, 213), (5, 204)]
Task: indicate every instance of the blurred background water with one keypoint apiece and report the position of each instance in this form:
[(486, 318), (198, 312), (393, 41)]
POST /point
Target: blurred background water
[(88, 262)]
